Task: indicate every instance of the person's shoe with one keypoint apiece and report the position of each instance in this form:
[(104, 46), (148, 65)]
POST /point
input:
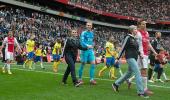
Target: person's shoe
[(9, 72), (93, 82), (113, 77), (77, 84), (159, 80), (151, 81), (143, 95), (115, 87), (167, 80), (81, 81), (3, 70), (148, 92)]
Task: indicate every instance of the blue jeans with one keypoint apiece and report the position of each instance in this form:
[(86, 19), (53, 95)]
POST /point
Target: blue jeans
[(132, 68)]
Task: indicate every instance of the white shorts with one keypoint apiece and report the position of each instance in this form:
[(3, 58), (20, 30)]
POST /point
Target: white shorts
[(9, 56), (143, 63)]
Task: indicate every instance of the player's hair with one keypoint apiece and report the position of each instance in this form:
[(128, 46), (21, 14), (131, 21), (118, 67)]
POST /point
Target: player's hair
[(69, 34), (139, 23), (157, 33)]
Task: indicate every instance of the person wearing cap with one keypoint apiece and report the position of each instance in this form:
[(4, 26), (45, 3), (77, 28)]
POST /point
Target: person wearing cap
[(131, 48)]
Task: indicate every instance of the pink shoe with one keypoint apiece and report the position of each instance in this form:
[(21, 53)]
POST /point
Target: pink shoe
[(80, 81), (148, 92), (93, 82)]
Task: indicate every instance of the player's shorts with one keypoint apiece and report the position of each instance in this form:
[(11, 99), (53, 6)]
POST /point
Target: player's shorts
[(30, 55), (152, 60), (143, 63), (9, 55), (117, 65), (110, 61), (56, 57), (87, 56), (38, 58), (157, 67)]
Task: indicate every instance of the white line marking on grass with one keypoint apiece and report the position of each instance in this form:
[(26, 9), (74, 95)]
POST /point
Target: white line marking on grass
[(166, 87)]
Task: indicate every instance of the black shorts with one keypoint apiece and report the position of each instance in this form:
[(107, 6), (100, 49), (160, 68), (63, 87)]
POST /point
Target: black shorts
[(152, 60)]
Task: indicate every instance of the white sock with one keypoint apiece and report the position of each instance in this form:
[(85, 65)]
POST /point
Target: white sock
[(164, 75), (42, 65), (130, 79), (153, 75), (5, 65), (120, 71), (145, 82), (8, 67)]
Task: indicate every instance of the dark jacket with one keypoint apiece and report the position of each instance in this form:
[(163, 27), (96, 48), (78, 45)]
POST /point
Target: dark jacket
[(156, 44), (72, 45), (130, 47)]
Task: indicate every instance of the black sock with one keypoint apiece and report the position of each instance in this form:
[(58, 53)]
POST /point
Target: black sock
[(159, 73), (150, 71)]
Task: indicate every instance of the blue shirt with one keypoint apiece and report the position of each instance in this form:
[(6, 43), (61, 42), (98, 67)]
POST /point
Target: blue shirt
[(86, 38)]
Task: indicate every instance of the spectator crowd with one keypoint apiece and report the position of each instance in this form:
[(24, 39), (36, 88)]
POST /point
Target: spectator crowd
[(147, 9), (47, 27)]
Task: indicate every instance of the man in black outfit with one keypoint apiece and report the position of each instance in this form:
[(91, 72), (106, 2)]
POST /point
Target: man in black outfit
[(71, 46)]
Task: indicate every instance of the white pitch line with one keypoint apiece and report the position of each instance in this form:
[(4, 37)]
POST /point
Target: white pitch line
[(166, 87)]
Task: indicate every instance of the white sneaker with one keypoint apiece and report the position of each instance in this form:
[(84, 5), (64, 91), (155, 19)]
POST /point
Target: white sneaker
[(159, 80), (9, 72), (151, 81), (3, 70)]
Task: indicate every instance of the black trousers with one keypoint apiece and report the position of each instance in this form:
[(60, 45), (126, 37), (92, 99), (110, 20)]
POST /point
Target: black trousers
[(70, 60), (3, 54)]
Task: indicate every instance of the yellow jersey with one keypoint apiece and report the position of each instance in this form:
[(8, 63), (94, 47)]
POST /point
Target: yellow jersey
[(38, 52), (30, 45), (57, 48), (111, 49)]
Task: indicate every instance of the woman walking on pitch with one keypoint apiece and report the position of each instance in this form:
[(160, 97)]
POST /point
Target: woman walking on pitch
[(131, 49), (71, 46)]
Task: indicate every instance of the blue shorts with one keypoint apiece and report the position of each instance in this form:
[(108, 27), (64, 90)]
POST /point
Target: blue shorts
[(56, 57), (38, 58), (117, 65), (110, 61), (157, 67), (87, 56), (30, 55)]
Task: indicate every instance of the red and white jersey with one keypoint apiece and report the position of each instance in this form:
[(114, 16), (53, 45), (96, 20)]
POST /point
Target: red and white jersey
[(145, 41), (10, 42)]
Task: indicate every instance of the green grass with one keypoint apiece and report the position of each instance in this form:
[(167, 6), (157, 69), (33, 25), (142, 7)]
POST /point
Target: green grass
[(40, 84)]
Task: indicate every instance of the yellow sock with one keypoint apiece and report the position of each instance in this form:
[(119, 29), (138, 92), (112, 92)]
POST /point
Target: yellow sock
[(26, 62), (57, 63), (30, 64), (54, 66), (102, 70), (112, 72)]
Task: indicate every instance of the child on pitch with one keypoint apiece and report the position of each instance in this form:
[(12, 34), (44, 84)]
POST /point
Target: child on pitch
[(110, 58), (56, 55), (159, 66), (38, 57)]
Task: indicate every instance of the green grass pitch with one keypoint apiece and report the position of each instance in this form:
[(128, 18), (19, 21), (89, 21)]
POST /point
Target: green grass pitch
[(39, 84)]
